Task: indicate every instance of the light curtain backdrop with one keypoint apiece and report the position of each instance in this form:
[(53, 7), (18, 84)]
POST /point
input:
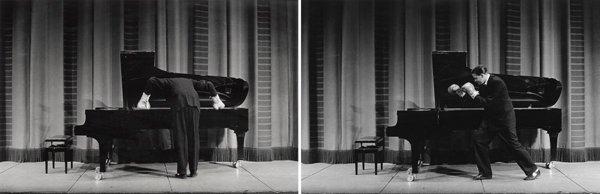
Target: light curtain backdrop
[(61, 57), (362, 60)]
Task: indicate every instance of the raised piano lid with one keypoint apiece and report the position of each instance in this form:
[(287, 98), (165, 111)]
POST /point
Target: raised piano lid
[(525, 91), (138, 66)]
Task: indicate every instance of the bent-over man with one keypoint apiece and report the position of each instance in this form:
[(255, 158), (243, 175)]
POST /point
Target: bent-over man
[(185, 107)]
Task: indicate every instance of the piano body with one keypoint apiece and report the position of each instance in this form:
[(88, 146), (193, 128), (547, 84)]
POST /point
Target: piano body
[(531, 97), (106, 124)]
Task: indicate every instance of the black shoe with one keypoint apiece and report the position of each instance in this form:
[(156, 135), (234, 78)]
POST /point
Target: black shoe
[(533, 175), (193, 174), (482, 177), (180, 175)]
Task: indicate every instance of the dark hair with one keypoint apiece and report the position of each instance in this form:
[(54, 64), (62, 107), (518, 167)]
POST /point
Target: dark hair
[(479, 70)]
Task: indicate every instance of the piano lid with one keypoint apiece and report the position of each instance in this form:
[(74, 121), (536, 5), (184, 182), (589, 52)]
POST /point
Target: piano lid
[(525, 91), (138, 66)]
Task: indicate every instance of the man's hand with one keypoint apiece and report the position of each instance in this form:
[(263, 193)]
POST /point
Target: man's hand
[(144, 101), (455, 89), (217, 103), (470, 89)]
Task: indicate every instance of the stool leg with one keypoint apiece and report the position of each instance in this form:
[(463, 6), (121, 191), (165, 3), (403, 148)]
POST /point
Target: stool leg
[(355, 163), (71, 157), (52, 150), (382, 158), (45, 156), (363, 160), (66, 161), (375, 158)]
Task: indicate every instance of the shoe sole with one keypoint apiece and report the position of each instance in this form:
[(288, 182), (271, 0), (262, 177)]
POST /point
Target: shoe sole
[(535, 177)]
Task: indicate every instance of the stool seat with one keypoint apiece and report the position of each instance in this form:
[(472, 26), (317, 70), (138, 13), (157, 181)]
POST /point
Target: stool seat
[(369, 139), (370, 148), (60, 138)]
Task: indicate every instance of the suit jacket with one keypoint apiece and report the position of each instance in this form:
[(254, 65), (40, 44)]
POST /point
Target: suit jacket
[(180, 92), (498, 109)]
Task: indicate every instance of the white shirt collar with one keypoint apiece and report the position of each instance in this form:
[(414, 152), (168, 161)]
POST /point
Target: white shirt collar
[(486, 77)]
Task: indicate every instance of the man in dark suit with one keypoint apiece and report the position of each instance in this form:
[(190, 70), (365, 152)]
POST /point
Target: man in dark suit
[(498, 120), (182, 96)]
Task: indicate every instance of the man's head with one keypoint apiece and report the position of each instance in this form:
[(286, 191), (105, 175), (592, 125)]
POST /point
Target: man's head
[(480, 74)]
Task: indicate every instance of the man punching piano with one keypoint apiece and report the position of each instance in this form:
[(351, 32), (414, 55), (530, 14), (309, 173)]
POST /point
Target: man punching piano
[(185, 107), (498, 121)]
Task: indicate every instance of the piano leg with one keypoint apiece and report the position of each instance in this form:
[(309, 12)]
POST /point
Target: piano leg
[(105, 147), (240, 148), (553, 141), (416, 147)]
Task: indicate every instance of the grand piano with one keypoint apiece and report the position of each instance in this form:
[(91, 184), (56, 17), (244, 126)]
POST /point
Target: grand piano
[(531, 97), (108, 123)]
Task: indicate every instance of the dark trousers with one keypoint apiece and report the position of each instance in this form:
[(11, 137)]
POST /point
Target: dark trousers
[(186, 137), (481, 140)]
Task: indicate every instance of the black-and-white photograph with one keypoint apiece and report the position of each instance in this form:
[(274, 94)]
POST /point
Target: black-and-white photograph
[(148, 96), (299, 96), (450, 96)]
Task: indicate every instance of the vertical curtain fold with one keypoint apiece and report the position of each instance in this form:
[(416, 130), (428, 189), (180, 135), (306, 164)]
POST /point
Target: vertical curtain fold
[(459, 23), (280, 68), (304, 83), (106, 36), (21, 74), (217, 36), (85, 73), (332, 77), (357, 74), (419, 42), (397, 70), (592, 69), (147, 29), (45, 71), (241, 61), (177, 27), (553, 60)]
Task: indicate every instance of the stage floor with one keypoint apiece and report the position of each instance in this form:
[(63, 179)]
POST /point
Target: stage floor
[(508, 178), (220, 177), (281, 176)]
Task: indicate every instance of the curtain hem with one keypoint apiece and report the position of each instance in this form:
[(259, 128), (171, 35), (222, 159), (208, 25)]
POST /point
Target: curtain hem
[(451, 157), (149, 156)]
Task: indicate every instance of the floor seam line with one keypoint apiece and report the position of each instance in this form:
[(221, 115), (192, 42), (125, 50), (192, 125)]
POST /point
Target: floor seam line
[(260, 180), (167, 175), (482, 186), (572, 180), (386, 184), (71, 187), (16, 164), (316, 172)]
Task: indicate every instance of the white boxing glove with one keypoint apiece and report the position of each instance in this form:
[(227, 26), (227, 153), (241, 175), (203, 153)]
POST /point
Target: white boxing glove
[(469, 88), (217, 103), (144, 102), (455, 89)]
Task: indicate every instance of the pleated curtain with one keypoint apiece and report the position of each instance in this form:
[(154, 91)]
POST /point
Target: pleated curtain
[(165, 27), (341, 41)]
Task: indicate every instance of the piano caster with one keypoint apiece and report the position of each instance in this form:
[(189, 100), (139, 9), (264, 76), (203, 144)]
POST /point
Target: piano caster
[(410, 176), (550, 165), (98, 174), (237, 164)]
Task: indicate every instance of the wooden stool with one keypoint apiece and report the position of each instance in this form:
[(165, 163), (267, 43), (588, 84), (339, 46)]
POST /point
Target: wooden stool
[(370, 144), (59, 143)]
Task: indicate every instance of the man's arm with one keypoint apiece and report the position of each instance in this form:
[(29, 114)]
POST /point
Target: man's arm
[(203, 85), (496, 88), (209, 87), (152, 84)]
